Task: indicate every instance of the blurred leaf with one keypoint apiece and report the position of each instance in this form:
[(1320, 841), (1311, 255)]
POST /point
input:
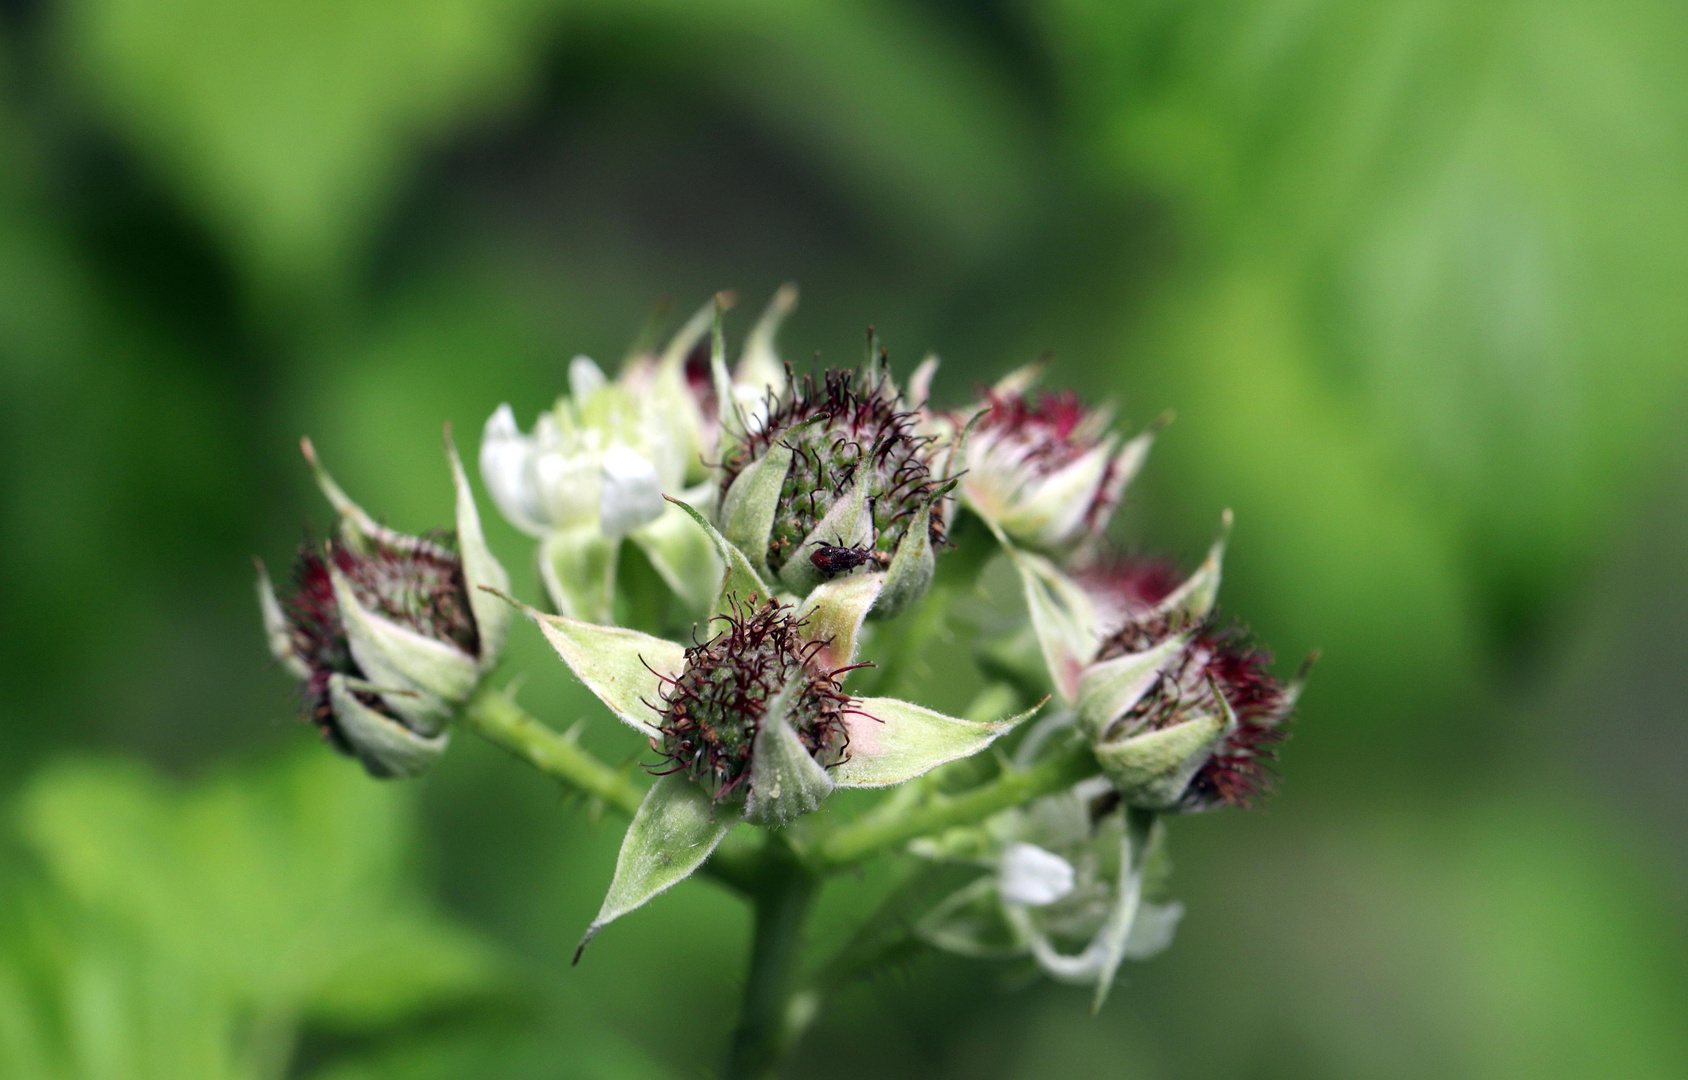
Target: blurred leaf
[(1471, 211), (278, 893), (290, 123)]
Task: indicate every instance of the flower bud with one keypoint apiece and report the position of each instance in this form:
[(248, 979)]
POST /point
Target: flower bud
[(836, 480), (1199, 725), (388, 633), (1044, 468)]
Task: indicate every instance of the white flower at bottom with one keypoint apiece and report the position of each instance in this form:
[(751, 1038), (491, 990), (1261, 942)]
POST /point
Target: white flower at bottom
[(1032, 877)]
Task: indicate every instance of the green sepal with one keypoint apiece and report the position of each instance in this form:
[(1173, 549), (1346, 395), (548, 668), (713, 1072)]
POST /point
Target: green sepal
[(276, 633), (759, 364), (353, 518), (1196, 597), (624, 668), (785, 781), (577, 566), (892, 741), (749, 507), (673, 833), (912, 566), (682, 554), (1108, 688), (480, 567), (846, 524), (386, 746), (833, 613), (1062, 615), (1153, 770), (740, 581), (395, 657)]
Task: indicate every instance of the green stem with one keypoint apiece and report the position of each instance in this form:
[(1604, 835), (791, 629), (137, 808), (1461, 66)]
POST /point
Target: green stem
[(492, 715), (769, 1019), (878, 831)]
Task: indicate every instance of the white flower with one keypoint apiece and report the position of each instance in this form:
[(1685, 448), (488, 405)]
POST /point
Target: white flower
[(1030, 876)]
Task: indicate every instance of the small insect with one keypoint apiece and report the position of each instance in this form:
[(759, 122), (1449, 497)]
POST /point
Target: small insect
[(841, 558)]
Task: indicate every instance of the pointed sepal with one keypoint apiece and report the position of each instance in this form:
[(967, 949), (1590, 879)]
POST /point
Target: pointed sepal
[(431, 675), (833, 614), (785, 781), (740, 581), (481, 569), (892, 741), (1196, 597), (624, 668), (1062, 614), (673, 833), (748, 508), (911, 570), (276, 633), (1153, 770), (1108, 688)]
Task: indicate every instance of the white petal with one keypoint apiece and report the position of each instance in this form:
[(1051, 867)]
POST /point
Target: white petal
[(505, 467), (585, 377), (631, 493), (1032, 877)]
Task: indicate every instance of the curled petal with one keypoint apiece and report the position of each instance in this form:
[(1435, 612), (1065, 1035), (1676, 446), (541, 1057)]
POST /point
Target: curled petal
[(892, 741), (1063, 616), (631, 492), (1032, 877)]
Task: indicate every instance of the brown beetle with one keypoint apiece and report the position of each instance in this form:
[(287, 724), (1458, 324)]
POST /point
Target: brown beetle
[(841, 558)]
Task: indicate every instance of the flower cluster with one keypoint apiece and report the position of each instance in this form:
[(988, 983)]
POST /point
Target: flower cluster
[(799, 519)]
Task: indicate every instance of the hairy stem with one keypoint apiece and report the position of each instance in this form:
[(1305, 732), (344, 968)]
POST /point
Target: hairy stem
[(769, 1018), (494, 716), (895, 825)]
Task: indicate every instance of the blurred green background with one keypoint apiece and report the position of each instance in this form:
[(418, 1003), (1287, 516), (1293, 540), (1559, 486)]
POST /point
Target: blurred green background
[(1414, 274)]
